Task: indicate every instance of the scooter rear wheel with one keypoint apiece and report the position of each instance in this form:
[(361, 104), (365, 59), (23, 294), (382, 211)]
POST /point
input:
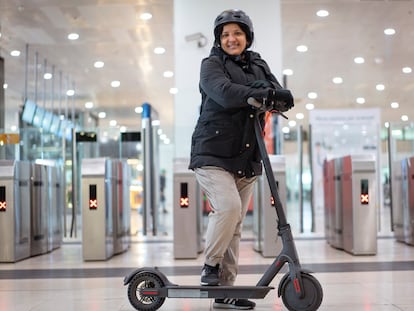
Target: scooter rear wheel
[(312, 298), (138, 284)]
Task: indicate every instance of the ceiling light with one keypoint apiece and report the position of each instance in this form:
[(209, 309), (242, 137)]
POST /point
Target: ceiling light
[(404, 118), (387, 124), (15, 53), (310, 106), (115, 83), (389, 31), (380, 87), (312, 95), (288, 72), (322, 13), (138, 109), (173, 90), (285, 129), (168, 74), (407, 70), (159, 50), (5, 85), (70, 92), (359, 60), (292, 123), (300, 116), (47, 76), (360, 100), (337, 80), (99, 64), (145, 16), (73, 36), (102, 115), (395, 105), (112, 123), (89, 105), (155, 123), (301, 48)]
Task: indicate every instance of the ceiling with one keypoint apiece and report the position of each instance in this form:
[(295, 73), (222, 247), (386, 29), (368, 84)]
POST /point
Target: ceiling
[(111, 31)]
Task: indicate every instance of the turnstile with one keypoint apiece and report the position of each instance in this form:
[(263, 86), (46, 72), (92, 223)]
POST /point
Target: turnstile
[(329, 197), (39, 210), (14, 210), (120, 204), (359, 199), (97, 221), (266, 238), (187, 219), (408, 200), (397, 199)]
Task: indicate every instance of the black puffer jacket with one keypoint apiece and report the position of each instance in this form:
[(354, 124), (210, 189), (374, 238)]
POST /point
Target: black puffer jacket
[(224, 135)]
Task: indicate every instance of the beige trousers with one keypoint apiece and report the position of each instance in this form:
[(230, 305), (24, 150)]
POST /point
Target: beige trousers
[(229, 197)]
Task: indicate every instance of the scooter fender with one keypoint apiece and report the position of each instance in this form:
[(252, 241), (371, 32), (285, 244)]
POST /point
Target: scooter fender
[(153, 270), (285, 278)]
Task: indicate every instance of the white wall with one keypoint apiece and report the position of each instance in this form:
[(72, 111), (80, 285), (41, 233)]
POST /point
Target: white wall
[(195, 16)]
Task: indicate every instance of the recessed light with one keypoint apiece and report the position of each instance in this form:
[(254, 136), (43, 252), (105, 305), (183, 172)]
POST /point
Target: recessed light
[(395, 105), (407, 70), (173, 90), (302, 48), (322, 13), (112, 123), (360, 100), (15, 53), (73, 36), (159, 50), (99, 64), (102, 115), (288, 72), (389, 31), (404, 118), (70, 92), (337, 80), (300, 116), (5, 86), (89, 105), (312, 95), (47, 76), (145, 16), (310, 106), (138, 109), (359, 60), (115, 83), (168, 74), (285, 129), (292, 123), (380, 87)]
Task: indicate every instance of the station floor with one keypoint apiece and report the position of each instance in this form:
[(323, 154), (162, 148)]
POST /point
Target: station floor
[(62, 281)]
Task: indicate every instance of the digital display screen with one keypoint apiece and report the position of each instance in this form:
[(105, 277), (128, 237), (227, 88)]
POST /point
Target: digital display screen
[(55, 125), (93, 203), (3, 203), (29, 109), (38, 117), (364, 196), (184, 202), (47, 120)]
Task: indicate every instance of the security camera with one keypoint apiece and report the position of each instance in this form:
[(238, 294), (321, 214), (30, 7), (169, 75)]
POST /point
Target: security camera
[(199, 37)]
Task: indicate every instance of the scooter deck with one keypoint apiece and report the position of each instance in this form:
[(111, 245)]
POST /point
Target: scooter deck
[(175, 291)]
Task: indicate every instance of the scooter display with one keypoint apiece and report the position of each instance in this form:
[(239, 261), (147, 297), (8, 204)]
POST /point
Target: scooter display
[(300, 291)]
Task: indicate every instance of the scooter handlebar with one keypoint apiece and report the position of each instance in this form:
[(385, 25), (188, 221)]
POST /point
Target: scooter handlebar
[(263, 107)]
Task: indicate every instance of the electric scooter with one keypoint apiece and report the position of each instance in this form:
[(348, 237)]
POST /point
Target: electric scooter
[(300, 291)]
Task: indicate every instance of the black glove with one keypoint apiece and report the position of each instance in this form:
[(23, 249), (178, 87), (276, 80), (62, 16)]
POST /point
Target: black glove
[(282, 99), (260, 84)]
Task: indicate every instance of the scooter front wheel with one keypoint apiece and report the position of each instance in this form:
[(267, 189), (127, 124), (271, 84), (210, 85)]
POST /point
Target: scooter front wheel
[(311, 299), (136, 291)]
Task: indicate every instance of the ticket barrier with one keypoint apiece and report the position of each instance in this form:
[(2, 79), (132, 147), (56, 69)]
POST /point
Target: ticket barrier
[(56, 203), (329, 197), (397, 199), (187, 218), (408, 200), (39, 210), (14, 210), (97, 216), (359, 199), (120, 177), (266, 238)]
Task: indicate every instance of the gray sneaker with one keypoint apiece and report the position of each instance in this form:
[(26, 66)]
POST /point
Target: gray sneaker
[(210, 276), (235, 304)]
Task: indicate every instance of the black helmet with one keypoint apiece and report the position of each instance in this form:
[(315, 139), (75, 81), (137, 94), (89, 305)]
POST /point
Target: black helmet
[(233, 16)]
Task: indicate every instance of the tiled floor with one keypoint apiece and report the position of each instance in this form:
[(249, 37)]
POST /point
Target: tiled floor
[(62, 281)]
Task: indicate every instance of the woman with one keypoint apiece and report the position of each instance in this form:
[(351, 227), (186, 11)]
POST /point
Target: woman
[(224, 155)]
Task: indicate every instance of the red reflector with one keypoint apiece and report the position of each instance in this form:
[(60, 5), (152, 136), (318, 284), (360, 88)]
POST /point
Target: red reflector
[(150, 293), (296, 285)]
